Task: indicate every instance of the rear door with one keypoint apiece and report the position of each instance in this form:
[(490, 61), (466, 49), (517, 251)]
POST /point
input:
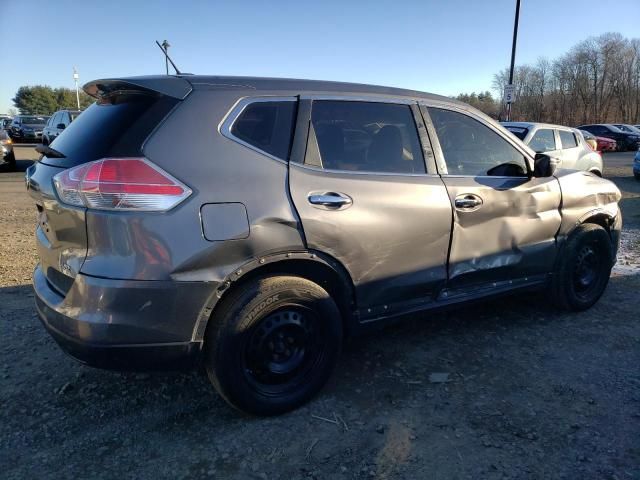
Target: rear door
[(365, 197), (505, 221), (570, 149)]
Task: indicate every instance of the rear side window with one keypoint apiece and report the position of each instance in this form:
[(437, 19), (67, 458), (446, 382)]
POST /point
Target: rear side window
[(365, 136), (568, 139), (111, 129), (267, 126), (544, 140)]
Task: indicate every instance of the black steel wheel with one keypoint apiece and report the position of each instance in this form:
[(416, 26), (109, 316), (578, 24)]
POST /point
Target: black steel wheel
[(272, 344), (584, 268)]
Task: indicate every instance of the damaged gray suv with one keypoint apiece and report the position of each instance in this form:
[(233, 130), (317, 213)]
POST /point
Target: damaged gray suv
[(251, 224)]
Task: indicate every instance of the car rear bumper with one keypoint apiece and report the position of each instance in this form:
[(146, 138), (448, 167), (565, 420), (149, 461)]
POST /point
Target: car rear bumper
[(123, 324)]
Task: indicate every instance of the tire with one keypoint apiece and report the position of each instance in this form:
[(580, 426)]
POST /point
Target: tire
[(11, 160), (637, 176), (584, 268), (273, 344)]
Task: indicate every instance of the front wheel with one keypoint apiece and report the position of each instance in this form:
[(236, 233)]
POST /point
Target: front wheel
[(273, 344), (583, 271)]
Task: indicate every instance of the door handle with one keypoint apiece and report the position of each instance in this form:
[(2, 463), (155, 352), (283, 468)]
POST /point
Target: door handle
[(467, 201), (330, 199)]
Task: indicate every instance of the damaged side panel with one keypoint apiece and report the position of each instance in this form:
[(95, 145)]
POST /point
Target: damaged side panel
[(510, 235), (586, 196)]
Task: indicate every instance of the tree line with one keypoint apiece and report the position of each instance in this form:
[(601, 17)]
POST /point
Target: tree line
[(45, 100), (597, 81)]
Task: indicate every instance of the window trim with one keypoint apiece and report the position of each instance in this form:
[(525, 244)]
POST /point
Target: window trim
[(226, 125), (425, 148), (435, 141)]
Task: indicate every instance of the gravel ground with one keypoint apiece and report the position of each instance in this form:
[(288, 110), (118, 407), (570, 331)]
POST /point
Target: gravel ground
[(506, 389)]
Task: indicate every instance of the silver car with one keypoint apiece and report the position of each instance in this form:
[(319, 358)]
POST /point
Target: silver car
[(566, 144)]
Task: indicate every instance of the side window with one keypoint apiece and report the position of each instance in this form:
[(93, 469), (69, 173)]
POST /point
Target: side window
[(366, 136), (471, 148), (54, 121), (543, 140), (268, 126), (568, 139)]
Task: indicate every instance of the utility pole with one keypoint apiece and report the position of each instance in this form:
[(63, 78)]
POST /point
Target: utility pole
[(165, 46), (509, 89), (75, 79)]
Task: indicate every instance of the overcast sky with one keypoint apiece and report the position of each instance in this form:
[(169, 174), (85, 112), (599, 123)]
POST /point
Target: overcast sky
[(446, 47)]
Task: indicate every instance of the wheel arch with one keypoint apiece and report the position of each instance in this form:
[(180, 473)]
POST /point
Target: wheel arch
[(317, 267)]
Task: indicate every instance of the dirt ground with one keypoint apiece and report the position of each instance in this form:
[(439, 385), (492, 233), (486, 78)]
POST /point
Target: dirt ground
[(505, 389)]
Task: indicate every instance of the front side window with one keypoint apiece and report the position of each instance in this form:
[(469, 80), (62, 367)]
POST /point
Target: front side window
[(367, 137), (543, 140), (471, 148), (568, 139), (267, 126)]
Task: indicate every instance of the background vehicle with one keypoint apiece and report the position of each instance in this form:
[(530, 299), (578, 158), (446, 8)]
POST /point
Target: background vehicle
[(564, 143), (591, 140), (57, 123), (624, 140), (6, 149), (27, 128), (606, 144), (5, 123), (627, 128), (380, 202), (636, 165)]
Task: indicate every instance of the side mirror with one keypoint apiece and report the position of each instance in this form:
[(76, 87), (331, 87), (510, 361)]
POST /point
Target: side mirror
[(544, 165), (60, 126)]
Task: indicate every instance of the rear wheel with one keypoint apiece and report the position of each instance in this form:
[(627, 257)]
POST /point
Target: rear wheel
[(11, 159), (583, 272), (273, 344)]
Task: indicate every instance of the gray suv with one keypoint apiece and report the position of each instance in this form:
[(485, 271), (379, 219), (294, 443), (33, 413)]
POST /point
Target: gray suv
[(251, 224)]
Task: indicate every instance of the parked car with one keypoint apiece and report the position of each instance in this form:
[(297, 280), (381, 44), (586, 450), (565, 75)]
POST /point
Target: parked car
[(625, 140), (591, 139), (636, 165), (6, 149), (57, 123), (291, 214), (606, 144), (5, 123), (564, 143), (27, 128)]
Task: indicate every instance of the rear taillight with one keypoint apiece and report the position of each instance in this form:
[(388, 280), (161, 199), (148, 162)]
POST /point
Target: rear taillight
[(120, 184)]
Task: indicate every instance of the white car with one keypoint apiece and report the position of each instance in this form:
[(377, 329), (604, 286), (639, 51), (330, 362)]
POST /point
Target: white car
[(564, 143)]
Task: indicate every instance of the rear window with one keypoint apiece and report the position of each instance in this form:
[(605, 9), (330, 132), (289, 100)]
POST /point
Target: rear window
[(519, 132), (568, 139), (111, 129), (34, 120), (267, 126)]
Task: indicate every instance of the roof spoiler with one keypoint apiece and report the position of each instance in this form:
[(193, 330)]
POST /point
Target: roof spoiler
[(169, 86)]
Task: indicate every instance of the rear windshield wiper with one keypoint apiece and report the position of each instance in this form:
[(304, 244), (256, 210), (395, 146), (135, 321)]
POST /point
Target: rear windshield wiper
[(49, 152)]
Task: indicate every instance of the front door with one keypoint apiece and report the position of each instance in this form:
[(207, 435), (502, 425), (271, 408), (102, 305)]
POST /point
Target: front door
[(505, 221), (365, 198)]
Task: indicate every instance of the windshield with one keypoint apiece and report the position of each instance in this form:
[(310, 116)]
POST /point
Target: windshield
[(519, 132), (34, 120)]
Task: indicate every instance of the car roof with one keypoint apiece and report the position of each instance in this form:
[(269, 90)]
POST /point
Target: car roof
[(534, 124), (179, 86)]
